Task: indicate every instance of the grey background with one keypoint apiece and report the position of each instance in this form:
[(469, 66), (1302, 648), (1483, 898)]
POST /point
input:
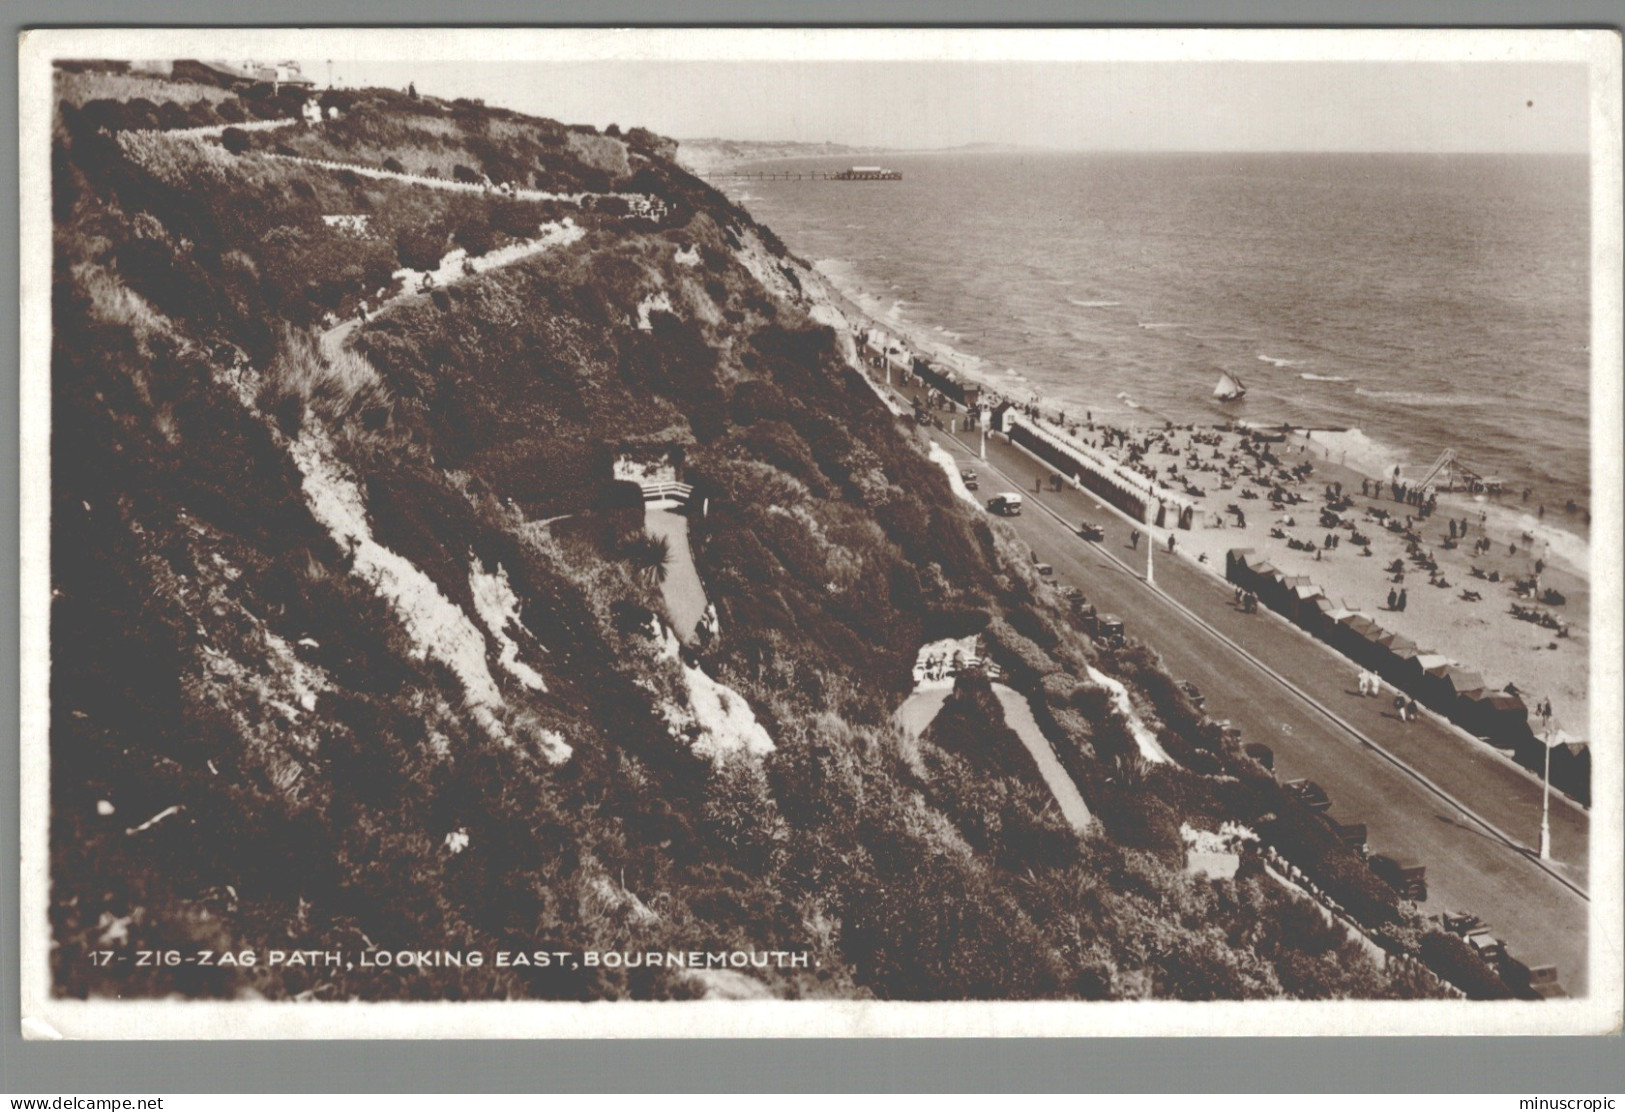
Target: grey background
[(1521, 1066)]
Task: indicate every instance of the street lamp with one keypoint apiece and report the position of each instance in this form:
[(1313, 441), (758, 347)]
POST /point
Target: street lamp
[(1546, 797)]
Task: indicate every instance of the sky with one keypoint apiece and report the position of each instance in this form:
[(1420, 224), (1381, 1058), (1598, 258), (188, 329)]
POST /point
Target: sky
[(1510, 106)]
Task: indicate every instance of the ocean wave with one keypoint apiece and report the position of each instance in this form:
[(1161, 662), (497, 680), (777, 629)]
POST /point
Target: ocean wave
[(1082, 304), (1309, 377), (1274, 362), (1420, 400), (1157, 324), (1570, 548), (1357, 450)]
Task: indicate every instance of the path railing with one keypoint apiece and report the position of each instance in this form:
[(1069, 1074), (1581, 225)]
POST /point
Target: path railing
[(657, 492)]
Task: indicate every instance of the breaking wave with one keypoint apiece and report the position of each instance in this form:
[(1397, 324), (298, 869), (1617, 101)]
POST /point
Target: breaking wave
[(1307, 376), (1420, 400)]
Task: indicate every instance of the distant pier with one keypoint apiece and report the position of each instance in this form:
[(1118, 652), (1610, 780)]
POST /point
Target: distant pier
[(854, 173)]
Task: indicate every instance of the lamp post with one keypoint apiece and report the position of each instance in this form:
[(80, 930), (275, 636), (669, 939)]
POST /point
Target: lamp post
[(1150, 554), (1546, 797)]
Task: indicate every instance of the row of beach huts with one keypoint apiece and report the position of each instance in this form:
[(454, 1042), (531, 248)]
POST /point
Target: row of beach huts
[(1498, 716)]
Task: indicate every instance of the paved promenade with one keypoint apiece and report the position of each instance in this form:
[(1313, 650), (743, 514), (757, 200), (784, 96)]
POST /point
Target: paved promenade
[(1402, 790)]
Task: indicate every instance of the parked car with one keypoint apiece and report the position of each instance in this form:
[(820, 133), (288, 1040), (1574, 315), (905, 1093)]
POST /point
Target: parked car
[(1007, 504), (969, 477), (1089, 531)]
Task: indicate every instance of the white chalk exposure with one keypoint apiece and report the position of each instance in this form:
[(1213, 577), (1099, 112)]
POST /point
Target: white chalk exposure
[(436, 625), (1150, 749), (724, 720), (940, 456), (498, 608), (661, 301)]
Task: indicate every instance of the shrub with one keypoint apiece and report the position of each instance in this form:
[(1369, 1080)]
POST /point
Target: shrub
[(234, 139), (393, 165), (421, 248), (1456, 962)]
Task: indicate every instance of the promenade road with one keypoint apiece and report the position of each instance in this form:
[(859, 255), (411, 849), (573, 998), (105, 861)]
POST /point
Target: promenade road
[(1470, 868)]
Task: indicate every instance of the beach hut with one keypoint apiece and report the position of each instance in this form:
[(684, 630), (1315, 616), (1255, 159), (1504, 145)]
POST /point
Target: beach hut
[(1260, 574), (1432, 688), (1415, 675), (1283, 592), (1298, 608), (1571, 767), (1498, 717), (1373, 649), (1448, 688), (1397, 659), (1354, 637), (1312, 614), (1235, 565)]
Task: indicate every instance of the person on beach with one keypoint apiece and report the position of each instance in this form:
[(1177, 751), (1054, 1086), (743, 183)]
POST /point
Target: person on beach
[(1134, 538), (1393, 599), (1363, 683), (1399, 705), (1402, 598), (1170, 542)]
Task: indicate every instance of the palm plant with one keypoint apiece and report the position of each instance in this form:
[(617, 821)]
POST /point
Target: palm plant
[(650, 557)]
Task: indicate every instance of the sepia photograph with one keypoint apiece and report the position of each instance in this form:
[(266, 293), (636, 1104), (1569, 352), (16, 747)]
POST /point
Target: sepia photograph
[(820, 532)]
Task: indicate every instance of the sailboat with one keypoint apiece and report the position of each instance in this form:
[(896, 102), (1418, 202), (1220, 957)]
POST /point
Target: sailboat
[(1229, 388)]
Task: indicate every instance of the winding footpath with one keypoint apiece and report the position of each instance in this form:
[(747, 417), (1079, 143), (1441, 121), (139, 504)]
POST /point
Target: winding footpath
[(920, 709)]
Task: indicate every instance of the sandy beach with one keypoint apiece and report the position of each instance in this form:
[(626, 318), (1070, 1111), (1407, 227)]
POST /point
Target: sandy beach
[(1483, 635)]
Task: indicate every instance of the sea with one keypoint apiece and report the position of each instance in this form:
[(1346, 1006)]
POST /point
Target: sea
[(1427, 301)]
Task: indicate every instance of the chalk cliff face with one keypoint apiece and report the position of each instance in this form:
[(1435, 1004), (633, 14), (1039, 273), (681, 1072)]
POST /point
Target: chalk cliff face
[(358, 644)]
